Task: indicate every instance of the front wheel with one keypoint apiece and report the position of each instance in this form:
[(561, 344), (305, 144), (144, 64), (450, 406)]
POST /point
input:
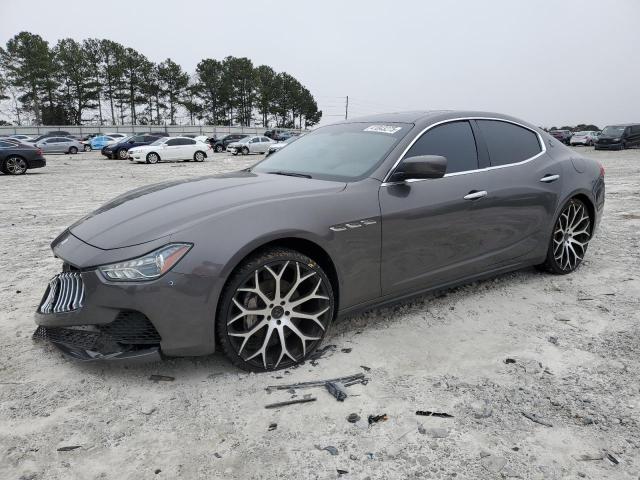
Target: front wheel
[(199, 156), (14, 165), (245, 150), (570, 238), (152, 157), (275, 310), (123, 154), (219, 148), (87, 148)]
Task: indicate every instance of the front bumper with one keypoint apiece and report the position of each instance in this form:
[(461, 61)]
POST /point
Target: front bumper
[(608, 146), (37, 163), (173, 314)]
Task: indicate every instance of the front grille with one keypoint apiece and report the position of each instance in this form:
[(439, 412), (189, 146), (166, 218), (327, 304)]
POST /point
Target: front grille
[(65, 293), (131, 328)]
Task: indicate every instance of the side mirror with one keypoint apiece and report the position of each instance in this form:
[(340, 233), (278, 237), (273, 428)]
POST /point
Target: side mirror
[(422, 166), (131, 141)]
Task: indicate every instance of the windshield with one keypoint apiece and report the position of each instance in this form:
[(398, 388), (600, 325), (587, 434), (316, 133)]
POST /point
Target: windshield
[(613, 131), (124, 139), (160, 141), (244, 140), (342, 152)]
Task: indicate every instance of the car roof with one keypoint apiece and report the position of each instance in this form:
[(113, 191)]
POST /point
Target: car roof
[(424, 118)]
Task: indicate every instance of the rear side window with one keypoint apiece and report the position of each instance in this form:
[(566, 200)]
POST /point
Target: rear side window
[(188, 141), (5, 144), (173, 142), (508, 143), (453, 140)]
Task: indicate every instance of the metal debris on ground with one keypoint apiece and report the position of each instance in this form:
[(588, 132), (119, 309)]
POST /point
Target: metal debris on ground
[(342, 472), (272, 426), (428, 413), (337, 390), (161, 378), (353, 418), (377, 418), (346, 381), (509, 360), (321, 351), (346, 350), (534, 418), (330, 448), (365, 368), (290, 402), (612, 459), (69, 448)]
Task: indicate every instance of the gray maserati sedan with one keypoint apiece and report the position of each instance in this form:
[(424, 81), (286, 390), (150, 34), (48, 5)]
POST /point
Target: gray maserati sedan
[(260, 262)]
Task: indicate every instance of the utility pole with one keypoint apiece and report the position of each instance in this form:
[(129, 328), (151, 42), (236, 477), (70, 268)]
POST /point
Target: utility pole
[(346, 109)]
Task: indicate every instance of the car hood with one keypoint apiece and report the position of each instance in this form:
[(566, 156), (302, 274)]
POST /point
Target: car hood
[(160, 210)]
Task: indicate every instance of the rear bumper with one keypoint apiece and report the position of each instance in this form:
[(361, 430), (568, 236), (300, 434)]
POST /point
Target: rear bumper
[(37, 163)]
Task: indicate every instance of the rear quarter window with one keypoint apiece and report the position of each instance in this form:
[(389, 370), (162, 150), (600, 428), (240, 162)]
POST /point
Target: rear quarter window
[(508, 143)]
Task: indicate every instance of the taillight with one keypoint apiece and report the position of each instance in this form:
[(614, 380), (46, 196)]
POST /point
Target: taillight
[(601, 171), (39, 151)]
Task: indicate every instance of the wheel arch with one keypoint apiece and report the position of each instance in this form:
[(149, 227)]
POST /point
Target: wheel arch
[(303, 245)]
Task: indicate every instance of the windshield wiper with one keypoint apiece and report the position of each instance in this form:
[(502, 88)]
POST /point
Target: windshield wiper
[(291, 174)]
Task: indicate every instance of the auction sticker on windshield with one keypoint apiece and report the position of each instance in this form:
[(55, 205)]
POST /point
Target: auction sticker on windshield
[(382, 129)]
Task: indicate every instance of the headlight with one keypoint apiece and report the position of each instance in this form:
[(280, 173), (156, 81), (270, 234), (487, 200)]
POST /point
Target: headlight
[(148, 267), (616, 139)]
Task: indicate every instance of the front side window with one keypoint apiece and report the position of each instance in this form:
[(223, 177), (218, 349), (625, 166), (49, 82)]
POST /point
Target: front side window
[(453, 140), (508, 143)]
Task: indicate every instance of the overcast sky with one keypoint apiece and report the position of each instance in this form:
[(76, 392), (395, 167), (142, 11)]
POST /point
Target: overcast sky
[(548, 62)]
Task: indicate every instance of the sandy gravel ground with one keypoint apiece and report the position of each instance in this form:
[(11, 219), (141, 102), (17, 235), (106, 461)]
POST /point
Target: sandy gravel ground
[(574, 340)]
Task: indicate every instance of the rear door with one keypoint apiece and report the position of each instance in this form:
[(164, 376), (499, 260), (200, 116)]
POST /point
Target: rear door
[(172, 149), (432, 231), (254, 145), (523, 184)]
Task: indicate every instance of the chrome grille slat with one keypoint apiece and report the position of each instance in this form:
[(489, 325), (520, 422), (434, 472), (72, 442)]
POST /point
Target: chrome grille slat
[(65, 294)]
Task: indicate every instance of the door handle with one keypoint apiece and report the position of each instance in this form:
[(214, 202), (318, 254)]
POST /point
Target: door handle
[(475, 195), (549, 178)]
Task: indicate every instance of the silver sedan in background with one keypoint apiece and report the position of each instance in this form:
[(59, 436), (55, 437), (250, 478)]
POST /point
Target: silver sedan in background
[(60, 145), (251, 144)]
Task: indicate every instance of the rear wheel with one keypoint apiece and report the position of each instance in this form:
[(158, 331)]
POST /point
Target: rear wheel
[(14, 165), (199, 156), (275, 310), (570, 238), (152, 157)]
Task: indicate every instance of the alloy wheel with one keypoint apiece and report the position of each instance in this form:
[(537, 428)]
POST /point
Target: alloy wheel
[(152, 158), (15, 166), (571, 236), (278, 314), (199, 157), (87, 148), (245, 151), (122, 154)]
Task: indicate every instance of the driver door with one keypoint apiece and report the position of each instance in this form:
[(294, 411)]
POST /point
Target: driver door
[(432, 229)]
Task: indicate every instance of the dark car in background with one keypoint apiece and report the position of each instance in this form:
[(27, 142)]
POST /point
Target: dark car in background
[(619, 137), (260, 262), (221, 144), (121, 149), (562, 135), (17, 158)]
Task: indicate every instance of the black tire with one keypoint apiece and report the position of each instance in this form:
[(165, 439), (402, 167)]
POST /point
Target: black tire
[(290, 266), (245, 150), (73, 150), (199, 156), (219, 148), (152, 157), (565, 234), (87, 148), (14, 165), (122, 154), (234, 153)]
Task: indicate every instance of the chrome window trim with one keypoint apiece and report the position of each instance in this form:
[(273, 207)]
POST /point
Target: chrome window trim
[(386, 183)]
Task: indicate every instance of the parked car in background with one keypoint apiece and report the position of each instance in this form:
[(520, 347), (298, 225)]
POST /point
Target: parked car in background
[(58, 133), (562, 135), (17, 158), (274, 133), (221, 144), (121, 148), (619, 137), (276, 147), (170, 148), (22, 138), (281, 137), (117, 136), (250, 144), (60, 145), (101, 141), (586, 138)]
